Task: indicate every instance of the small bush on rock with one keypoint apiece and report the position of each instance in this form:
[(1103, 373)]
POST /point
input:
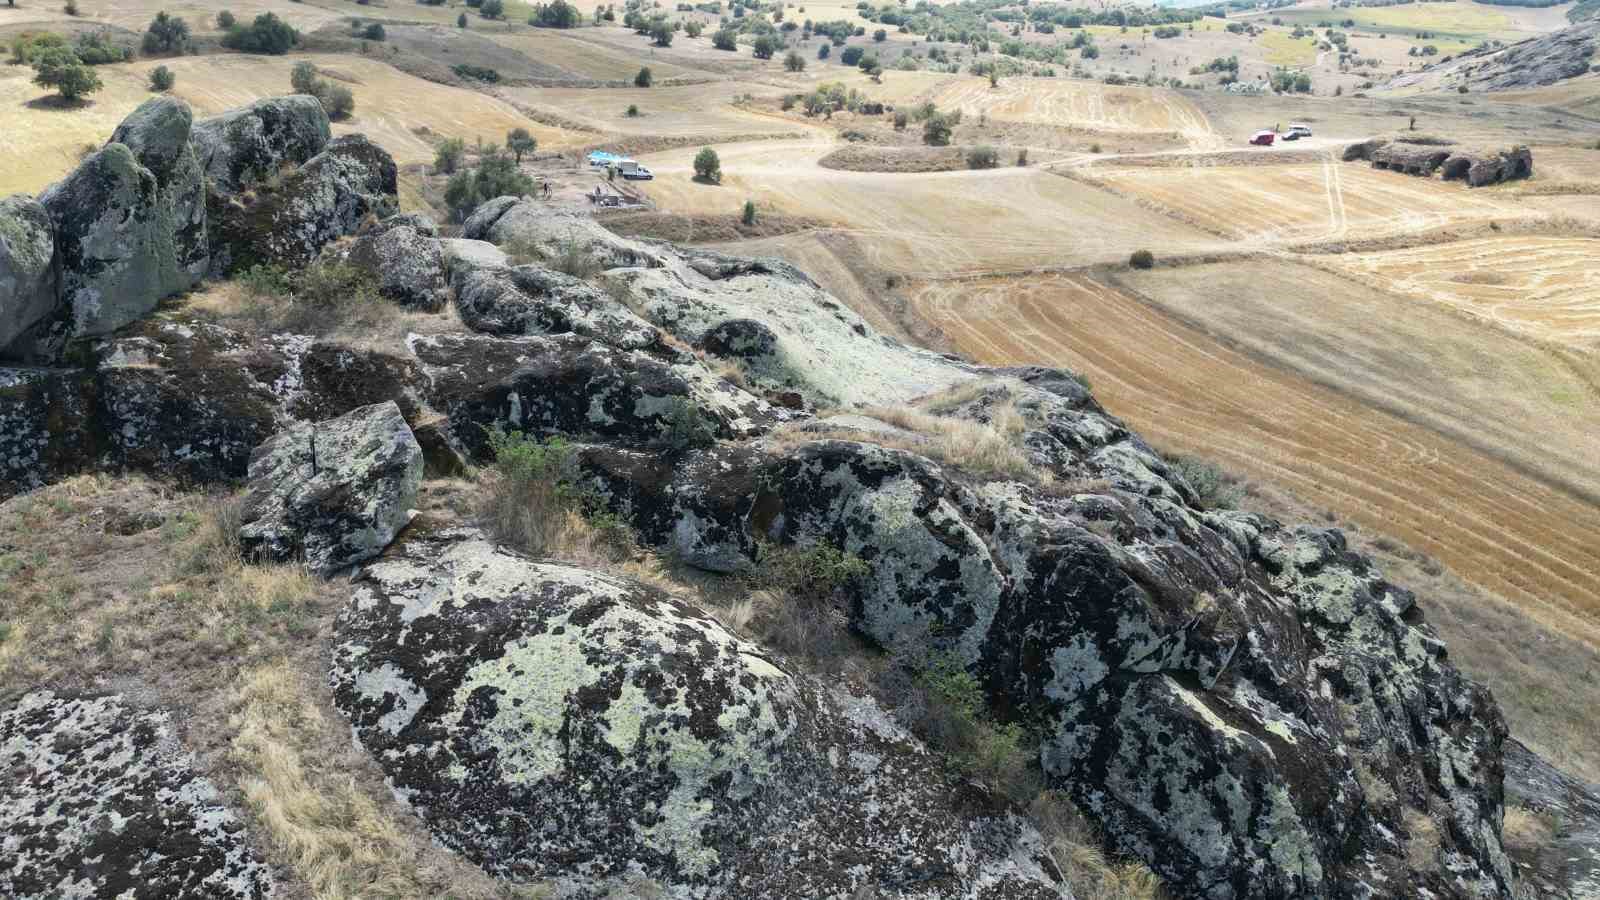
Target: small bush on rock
[(532, 502), (320, 299), (1214, 488)]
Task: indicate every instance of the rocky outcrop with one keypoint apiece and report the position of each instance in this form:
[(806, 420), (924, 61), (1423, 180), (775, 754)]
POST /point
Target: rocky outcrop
[(130, 226), (28, 272), (333, 493), (1476, 167), (254, 143), (1412, 159), (1558, 851), (99, 800), (1544, 60), (1484, 168), (515, 705), (407, 265), (289, 220), (535, 300), (570, 385), (1363, 150)]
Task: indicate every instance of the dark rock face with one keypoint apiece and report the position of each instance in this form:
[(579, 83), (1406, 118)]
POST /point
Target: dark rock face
[(290, 222), (568, 385), (130, 226), (407, 264), (1363, 150), (1565, 864), (188, 399), (47, 428), (517, 704), (244, 146), (1412, 159), (1543, 60), (535, 300), (28, 273), (742, 339), (99, 801), (333, 493)]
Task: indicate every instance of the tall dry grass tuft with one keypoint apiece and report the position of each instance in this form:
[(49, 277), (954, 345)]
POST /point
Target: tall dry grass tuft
[(1075, 846)]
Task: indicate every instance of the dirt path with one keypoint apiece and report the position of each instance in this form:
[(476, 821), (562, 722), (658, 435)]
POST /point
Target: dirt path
[(1188, 392)]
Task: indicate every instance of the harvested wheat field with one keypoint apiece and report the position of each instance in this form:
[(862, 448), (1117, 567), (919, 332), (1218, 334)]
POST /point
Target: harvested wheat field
[(939, 223), (691, 110), (41, 142), (587, 59), (1544, 287), (1306, 202), (1495, 526)]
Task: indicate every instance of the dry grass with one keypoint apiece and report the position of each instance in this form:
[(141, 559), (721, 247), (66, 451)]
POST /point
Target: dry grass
[(1076, 848), (360, 319)]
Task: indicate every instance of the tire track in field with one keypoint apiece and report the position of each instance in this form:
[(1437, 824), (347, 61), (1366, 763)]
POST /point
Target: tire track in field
[(1519, 538)]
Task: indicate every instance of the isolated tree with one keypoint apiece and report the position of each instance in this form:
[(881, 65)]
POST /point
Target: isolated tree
[(725, 39), (225, 20), (707, 166), (994, 76), (644, 79), (764, 47), (162, 79), (748, 215), (447, 158), (492, 9), (936, 131), (851, 56), (519, 141), (166, 34), (461, 195), (794, 62), (60, 68), (880, 35), (822, 52), (693, 27), (661, 33), (375, 32), (1141, 259)]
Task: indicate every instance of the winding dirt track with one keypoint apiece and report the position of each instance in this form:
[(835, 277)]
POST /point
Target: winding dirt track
[(1527, 542)]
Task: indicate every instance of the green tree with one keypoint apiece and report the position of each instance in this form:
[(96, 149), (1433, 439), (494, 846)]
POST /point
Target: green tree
[(661, 33), (822, 52), (764, 46), (303, 79), (461, 20), (225, 20), (936, 131), (162, 79), (519, 141), (461, 195), (708, 166), (725, 39), (61, 69), (644, 79), (794, 62), (748, 216), (337, 100), (693, 27), (880, 35), (851, 56), (166, 34), (375, 32), (556, 14), (447, 158), (492, 9)]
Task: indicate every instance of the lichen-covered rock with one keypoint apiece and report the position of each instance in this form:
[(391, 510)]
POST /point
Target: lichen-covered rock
[(462, 256), (27, 271), (332, 493), (251, 144), (407, 265), (1565, 864), (555, 724), (787, 333), (289, 221), (130, 226), (549, 233), (535, 300), (100, 801), (696, 507), (47, 427), (569, 385)]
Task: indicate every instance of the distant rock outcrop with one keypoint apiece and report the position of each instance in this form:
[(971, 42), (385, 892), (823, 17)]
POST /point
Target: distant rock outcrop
[(1428, 158), (332, 493), (518, 704), (99, 800)]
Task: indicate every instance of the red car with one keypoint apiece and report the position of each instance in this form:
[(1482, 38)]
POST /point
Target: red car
[(1264, 138)]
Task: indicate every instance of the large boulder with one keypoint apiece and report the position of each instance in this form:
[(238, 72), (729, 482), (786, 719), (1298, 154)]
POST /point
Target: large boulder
[(538, 229), (253, 143), (289, 220), (99, 800), (332, 493), (27, 270), (551, 723), (534, 300), (407, 265), (130, 225)]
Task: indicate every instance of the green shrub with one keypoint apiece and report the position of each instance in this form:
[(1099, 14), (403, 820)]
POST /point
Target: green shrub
[(1142, 259), (477, 73), (374, 32), (725, 39), (644, 79), (764, 46), (266, 34), (225, 20), (60, 68), (633, 111), (936, 131), (982, 157), (557, 14), (812, 569), (162, 79), (794, 62), (707, 166), (1213, 487), (533, 502), (317, 299), (492, 9), (687, 426), (748, 215)]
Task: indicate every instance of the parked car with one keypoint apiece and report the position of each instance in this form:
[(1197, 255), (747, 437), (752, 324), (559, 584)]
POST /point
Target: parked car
[(1289, 136), (1297, 131), (1263, 138)]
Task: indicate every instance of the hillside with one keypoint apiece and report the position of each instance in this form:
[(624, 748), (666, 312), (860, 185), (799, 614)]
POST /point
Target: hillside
[(1536, 62)]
